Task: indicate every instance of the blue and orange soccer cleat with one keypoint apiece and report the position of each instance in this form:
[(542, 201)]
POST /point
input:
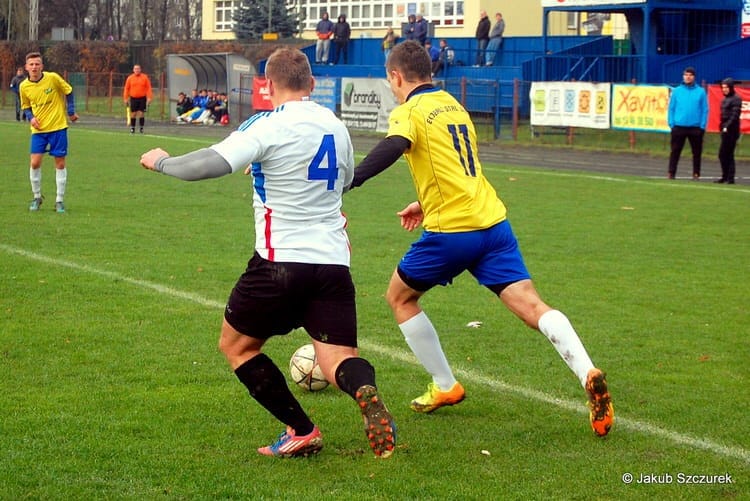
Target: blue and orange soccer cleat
[(289, 445), (601, 411), (379, 426)]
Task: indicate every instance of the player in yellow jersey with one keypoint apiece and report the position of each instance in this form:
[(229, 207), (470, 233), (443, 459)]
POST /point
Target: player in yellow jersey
[(465, 228), (46, 98)]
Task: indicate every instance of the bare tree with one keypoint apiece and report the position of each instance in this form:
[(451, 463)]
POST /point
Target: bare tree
[(173, 19), (99, 19), (144, 12), (116, 18), (186, 19), (161, 19)]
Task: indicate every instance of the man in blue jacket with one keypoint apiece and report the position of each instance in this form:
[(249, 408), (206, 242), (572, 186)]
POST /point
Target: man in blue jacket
[(421, 29), (687, 116)]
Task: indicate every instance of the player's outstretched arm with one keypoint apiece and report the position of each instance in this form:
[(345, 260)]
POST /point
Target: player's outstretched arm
[(382, 156), (194, 166)]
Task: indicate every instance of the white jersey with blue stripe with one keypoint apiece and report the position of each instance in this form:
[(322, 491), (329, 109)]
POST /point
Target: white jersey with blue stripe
[(301, 157)]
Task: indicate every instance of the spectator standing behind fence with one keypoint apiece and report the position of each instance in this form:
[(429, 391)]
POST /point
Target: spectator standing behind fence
[(482, 36), (409, 31), (687, 116), (342, 32), (421, 28), (15, 85), (496, 40), (729, 126), (389, 40), (138, 96), (324, 30), (434, 53)]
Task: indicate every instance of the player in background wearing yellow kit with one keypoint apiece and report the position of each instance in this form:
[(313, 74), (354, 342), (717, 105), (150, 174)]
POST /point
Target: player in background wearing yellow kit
[(465, 228), (46, 98)]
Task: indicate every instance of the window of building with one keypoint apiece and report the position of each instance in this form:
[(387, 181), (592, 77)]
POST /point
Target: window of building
[(377, 14), (223, 14), (572, 20)]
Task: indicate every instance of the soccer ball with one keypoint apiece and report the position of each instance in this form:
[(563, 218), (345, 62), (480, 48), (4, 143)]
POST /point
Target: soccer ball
[(305, 370)]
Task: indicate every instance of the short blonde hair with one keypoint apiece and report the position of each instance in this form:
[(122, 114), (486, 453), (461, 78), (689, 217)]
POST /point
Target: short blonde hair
[(289, 69)]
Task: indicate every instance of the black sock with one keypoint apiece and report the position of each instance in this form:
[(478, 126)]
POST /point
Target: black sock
[(267, 385), (132, 123), (353, 373), (141, 121)]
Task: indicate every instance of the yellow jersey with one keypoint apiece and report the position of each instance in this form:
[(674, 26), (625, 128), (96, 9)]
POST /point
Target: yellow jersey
[(444, 163), (46, 98)]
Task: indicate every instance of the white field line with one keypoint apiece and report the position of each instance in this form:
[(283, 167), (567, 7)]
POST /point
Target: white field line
[(406, 357), (626, 178)]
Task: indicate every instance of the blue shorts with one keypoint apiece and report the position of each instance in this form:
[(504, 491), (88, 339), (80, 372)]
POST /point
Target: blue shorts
[(491, 255), (56, 141)]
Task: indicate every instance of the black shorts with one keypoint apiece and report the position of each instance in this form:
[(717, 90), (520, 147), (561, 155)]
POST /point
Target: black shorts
[(273, 298), (138, 104)]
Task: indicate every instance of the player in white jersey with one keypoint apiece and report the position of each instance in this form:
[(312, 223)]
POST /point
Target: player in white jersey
[(295, 219), (301, 158)]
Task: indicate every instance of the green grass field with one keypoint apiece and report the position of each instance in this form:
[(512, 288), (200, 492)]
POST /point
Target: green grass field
[(113, 387)]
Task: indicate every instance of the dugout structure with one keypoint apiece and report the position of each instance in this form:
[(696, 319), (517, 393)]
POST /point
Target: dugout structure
[(222, 72), (665, 36)]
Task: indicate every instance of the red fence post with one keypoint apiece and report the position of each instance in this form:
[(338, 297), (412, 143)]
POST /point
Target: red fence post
[(109, 88), (163, 94), (631, 135), (88, 91)]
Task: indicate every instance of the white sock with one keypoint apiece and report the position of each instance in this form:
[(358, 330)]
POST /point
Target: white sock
[(61, 176), (423, 340), (556, 326), (35, 176)]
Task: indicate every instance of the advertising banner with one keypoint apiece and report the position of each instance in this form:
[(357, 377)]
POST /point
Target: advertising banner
[(366, 103), (570, 104), (715, 96), (745, 30), (261, 100), (324, 93), (640, 107)]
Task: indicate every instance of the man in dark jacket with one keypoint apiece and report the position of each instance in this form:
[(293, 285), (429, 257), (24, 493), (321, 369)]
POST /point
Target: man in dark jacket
[(421, 29), (15, 85), (184, 104), (342, 32), (408, 30), (729, 126), (482, 36)]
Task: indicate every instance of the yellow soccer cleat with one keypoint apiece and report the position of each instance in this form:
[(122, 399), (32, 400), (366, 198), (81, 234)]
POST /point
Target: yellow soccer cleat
[(436, 398)]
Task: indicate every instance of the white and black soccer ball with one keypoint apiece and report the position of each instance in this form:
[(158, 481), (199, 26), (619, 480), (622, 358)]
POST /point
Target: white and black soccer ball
[(305, 371)]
